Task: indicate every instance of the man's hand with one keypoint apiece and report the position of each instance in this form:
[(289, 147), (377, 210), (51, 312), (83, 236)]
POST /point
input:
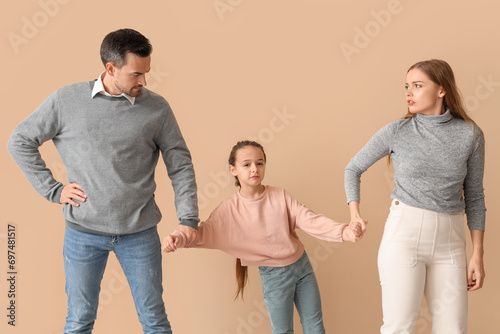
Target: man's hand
[(192, 235), (72, 192)]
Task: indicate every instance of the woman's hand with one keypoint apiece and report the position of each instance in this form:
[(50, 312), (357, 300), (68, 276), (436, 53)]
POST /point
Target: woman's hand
[(475, 273), (354, 231)]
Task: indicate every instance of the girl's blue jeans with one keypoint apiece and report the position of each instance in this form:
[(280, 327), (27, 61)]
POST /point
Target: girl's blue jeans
[(284, 286)]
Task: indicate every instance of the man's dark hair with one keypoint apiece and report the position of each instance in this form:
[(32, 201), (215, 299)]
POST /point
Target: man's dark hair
[(117, 44)]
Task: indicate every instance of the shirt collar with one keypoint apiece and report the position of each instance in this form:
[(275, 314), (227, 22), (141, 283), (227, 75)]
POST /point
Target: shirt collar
[(99, 88)]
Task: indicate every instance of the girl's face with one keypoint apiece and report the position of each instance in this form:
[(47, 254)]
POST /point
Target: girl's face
[(250, 166), (422, 94)]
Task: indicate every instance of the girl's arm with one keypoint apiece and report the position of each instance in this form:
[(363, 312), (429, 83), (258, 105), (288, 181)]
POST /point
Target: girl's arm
[(475, 272), (210, 235), (320, 226)]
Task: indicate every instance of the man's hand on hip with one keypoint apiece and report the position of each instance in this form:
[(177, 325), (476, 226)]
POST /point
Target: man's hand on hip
[(72, 192)]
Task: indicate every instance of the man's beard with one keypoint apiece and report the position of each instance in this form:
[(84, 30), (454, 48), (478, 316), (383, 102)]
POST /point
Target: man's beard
[(133, 92)]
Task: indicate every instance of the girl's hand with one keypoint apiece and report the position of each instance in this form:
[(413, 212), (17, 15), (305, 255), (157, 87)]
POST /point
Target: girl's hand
[(169, 244), (173, 241), (354, 231), (361, 222)]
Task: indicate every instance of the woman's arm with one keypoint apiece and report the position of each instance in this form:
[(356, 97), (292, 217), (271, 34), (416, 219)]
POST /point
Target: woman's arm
[(355, 213), (475, 272), (377, 147), (476, 211), (475, 208)]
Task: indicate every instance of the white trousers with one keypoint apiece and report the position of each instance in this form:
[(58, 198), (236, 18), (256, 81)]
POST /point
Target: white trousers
[(423, 252)]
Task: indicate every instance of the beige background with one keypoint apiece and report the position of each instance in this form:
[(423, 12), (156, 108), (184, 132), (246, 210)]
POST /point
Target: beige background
[(274, 71)]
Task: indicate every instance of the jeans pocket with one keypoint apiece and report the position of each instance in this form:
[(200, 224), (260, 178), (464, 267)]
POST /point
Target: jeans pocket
[(270, 271), (401, 237)]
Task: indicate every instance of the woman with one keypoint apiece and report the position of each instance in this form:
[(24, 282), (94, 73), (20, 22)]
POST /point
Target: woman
[(438, 157)]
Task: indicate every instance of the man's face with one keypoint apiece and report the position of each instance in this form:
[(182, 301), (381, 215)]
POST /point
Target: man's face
[(131, 77)]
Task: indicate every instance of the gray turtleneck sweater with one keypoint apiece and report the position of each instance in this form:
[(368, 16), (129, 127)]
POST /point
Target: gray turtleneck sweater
[(438, 165)]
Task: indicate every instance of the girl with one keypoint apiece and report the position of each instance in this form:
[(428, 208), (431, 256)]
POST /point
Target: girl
[(438, 156), (257, 226)]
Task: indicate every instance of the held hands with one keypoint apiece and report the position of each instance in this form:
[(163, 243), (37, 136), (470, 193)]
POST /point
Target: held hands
[(173, 241), (355, 230), (72, 192), (182, 237)]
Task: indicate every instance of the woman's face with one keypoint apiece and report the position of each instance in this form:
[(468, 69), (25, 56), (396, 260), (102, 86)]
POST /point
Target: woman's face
[(422, 94)]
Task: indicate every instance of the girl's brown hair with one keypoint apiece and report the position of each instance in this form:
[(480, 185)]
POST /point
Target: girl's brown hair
[(241, 271)]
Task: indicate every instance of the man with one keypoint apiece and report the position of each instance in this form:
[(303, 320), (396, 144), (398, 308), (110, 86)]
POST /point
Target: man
[(109, 133)]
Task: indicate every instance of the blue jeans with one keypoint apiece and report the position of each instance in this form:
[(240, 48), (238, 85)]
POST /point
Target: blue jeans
[(284, 286), (85, 258)]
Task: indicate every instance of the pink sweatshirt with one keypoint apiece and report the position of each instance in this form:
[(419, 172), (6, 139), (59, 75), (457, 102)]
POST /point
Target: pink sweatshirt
[(261, 231)]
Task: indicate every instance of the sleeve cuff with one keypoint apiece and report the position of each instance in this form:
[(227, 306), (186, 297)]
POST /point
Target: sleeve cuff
[(190, 222), (342, 232), (56, 196)]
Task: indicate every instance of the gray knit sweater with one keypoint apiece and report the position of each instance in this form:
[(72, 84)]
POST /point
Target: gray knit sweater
[(110, 147), (438, 165)]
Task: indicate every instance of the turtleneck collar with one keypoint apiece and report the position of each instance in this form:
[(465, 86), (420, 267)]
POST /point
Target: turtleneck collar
[(435, 119)]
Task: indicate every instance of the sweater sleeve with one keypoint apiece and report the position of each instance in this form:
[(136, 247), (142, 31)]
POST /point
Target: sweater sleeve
[(473, 185), (23, 145), (208, 234), (376, 148), (316, 225), (211, 233), (180, 169)]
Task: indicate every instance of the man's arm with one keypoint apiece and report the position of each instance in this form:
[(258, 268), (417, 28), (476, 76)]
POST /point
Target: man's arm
[(23, 145), (180, 170)]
